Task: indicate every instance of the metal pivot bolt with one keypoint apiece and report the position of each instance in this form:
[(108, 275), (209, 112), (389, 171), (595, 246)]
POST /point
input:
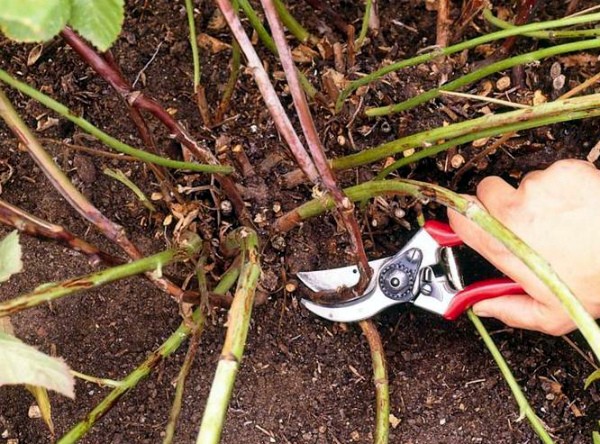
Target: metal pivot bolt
[(397, 277)]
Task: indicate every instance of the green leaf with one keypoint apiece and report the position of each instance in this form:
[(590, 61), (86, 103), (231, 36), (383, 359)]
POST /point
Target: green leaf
[(596, 437), (590, 379), (98, 21), (10, 256), (33, 20), (23, 364)]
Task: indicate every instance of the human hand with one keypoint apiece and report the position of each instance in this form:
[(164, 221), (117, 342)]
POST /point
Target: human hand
[(557, 213)]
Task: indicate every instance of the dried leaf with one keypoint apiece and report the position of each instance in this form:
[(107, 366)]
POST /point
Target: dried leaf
[(594, 153), (35, 54), (10, 256), (212, 44), (43, 401)]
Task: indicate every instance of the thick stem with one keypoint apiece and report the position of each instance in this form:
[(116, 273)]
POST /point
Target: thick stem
[(586, 324), (463, 132), (284, 126), (139, 100), (382, 389), (344, 206), (50, 292), (484, 72), (172, 343), (34, 226), (517, 30), (524, 407), (551, 35), (238, 321)]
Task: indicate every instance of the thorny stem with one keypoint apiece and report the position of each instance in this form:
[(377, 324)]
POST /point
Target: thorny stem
[(524, 407), (238, 321), (63, 185), (34, 226), (463, 132), (168, 347), (50, 292), (382, 390), (517, 30), (115, 144), (506, 129), (139, 100), (484, 72), (480, 217), (282, 121), (571, 34), (343, 205)]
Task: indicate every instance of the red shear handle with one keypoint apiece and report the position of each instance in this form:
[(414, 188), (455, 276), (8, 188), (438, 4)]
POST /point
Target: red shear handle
[(491, 288), (442, 233)]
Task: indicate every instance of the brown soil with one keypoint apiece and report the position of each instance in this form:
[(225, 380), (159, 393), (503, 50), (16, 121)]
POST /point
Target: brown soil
[(303, 380)]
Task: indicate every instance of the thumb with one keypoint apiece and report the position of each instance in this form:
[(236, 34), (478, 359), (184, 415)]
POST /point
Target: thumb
[(522, 311)]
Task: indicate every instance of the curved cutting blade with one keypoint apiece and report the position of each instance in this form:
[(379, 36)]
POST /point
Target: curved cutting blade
[(352, 311), (334, 278)]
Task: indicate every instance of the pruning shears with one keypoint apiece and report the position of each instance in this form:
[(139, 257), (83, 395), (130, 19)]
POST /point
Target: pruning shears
[(424, 272)]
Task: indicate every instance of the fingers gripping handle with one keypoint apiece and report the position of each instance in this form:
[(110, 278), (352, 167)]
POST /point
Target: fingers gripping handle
[(491, 288), (442, 233)]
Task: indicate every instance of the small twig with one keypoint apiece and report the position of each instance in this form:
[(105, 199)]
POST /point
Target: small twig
[(580, 351), (102, 382), (382, 390), (88, 150), (148, 63), (442, 37), (485, 99), (525, 409)]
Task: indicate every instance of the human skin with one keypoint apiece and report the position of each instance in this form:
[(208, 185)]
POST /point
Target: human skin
[(556, 212)]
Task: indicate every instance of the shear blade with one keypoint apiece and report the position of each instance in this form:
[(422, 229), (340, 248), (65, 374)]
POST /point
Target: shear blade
[(352, 311), (334, 278)]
